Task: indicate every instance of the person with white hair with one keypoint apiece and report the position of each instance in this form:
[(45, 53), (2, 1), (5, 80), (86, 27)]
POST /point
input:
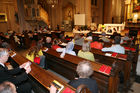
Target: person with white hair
[(84, 70), (22, 86), (48, 42)]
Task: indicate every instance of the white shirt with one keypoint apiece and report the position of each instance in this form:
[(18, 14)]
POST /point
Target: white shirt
[(2, 64), (115, 48)]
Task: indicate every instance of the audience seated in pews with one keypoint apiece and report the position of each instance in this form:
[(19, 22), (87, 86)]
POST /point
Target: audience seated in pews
[(85, 52), (84, 71), (48, 43), (116, 47), (104, 38), (78, 40), (34, 54), (95, 44), (20, 80)]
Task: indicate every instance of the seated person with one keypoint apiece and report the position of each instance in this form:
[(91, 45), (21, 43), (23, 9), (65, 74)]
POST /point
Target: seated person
[(62, 39), (7, 87), (68, 49), (55, 44), (116, 47), (36, 51), (89, 36), (84, 70), (114, 34), (78, 40), (48, 43), (85, 52), (96, 44), (109, 30), (104, 38), (126, 37), (40, 42), (15, 76)]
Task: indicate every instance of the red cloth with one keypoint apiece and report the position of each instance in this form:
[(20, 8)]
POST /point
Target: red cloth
[(96, 45), (55, 47)]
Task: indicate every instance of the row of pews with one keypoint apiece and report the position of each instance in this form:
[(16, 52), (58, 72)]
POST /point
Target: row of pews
[(107, 83), (40, 78)]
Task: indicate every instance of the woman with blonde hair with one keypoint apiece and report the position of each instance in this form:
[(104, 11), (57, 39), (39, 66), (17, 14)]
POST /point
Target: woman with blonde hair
[(85, 52)]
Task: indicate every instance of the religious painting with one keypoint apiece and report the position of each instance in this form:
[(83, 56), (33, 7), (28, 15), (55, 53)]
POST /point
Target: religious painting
[(68, 12), (3, 17), (136, 5)]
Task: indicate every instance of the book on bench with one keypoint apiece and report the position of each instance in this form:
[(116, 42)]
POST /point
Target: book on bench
[(130, 49), (127, 48), (105, 69), (57, 85), (114, 55), (133, 49)]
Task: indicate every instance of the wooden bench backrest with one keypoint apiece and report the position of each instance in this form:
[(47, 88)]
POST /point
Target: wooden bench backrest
[(44, 77), (67, 67)]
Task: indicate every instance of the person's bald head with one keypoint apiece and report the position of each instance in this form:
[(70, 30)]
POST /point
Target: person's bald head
[(84, 69), (48, 39)]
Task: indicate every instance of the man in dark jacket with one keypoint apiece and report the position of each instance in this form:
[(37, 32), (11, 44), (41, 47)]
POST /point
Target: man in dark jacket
[(84, 71), (11, 75)]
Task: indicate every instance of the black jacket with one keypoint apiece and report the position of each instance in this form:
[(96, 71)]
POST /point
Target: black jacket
[(90, 83), (11, 75)]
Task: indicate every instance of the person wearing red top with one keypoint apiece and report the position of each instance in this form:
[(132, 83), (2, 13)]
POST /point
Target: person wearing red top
[(96, 44), (55, 44)]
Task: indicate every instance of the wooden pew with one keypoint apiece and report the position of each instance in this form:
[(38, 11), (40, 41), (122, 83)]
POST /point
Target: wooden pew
[(125, 66), (67, 67), (43, 77), (134, 54)]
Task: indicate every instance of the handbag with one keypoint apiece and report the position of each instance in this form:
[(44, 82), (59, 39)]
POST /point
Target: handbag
[(37, 60)]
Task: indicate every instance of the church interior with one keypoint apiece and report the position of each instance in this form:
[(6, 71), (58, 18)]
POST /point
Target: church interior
[(55, 36)]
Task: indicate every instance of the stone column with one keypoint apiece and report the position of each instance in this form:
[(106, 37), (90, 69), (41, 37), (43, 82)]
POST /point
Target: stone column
[(84, 7), (107, 11), (88, 11)]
